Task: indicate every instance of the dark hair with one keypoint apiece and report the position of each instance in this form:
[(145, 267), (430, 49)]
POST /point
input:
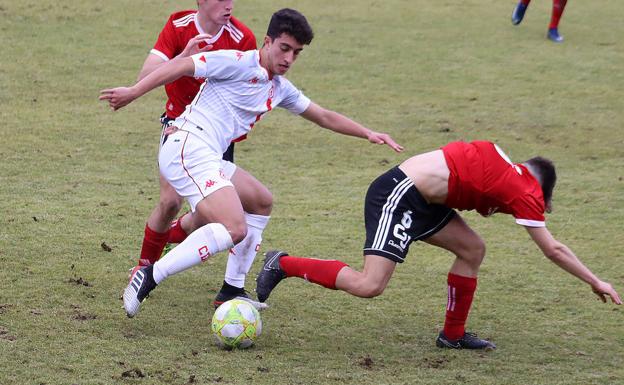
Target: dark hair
[(546, 175), (292, 23)]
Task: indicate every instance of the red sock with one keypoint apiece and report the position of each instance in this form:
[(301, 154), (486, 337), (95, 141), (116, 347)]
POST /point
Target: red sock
[(460, 293), (153, 245), (176, 232), (525, 2), (319, 271), (557, 11)]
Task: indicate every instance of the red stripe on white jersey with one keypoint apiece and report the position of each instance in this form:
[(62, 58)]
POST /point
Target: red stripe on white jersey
[(186, 170)]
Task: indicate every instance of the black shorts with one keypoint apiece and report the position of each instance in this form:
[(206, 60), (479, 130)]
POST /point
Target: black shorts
[(167, 121), (395, 215)]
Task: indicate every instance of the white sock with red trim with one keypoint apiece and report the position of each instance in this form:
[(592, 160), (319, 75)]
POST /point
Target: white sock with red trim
[(196, 248), (242, 255)]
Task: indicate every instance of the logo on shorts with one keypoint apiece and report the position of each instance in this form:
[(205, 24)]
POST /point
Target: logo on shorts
[(400, 232), (391, 243), (209, 183)]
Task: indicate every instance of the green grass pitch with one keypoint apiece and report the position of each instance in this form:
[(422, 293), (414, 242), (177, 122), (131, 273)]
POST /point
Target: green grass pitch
[(78, 181)]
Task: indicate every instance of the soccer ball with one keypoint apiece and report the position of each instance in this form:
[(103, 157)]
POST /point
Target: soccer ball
[(236, 324)]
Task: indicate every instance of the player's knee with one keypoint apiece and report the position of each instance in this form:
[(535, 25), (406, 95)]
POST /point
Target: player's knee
[(474, 252), (265, 202), (373, 291), (262, 203), (238, 231), (170, 205), (370, 289)]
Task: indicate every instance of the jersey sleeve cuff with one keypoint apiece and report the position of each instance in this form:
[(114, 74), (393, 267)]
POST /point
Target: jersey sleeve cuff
[(159, 54), (530, 223), (302, 104)]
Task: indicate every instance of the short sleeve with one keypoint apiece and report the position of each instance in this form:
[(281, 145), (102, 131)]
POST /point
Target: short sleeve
[(165, 46), (294, 100), (222, 64), (528, 211)]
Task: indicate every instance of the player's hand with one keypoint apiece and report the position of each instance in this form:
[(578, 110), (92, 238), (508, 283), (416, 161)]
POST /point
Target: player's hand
[(118, 97), (192, 47), (170, 130), (604, 289), (382, 138)]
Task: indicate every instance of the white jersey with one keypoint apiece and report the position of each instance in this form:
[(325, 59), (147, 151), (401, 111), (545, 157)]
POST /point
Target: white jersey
[(235, 95)]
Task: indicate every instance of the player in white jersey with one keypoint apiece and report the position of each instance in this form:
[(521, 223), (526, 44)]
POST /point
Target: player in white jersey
[(185, 33), (240, 88)]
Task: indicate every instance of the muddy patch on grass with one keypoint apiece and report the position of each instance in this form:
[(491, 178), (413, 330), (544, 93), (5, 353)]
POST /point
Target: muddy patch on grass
[(4, 335), (5, 307), (106, 247), (366, 362), (79, 281), (436, 363), (133, 373)]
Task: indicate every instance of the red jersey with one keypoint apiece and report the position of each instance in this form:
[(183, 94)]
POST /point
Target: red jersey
[(483, 178), (182, 27)]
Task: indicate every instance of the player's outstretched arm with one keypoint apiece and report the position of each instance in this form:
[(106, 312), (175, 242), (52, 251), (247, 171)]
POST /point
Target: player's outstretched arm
[(153, 61), (341, 124), (170, 71), (150, 64), (563, 257)]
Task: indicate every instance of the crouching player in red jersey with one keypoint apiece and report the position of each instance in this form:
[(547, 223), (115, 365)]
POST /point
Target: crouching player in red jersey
[(415, 201)]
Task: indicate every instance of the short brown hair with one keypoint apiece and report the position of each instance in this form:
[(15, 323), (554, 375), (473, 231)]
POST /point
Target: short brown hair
[(546, 175), (292, 23)]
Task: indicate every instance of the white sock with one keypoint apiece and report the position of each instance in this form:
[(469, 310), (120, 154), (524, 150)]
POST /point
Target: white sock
[(196, 248), (242, 255)]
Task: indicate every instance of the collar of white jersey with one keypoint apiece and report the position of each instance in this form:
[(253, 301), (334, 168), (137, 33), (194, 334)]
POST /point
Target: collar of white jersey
[(270, 76), (201, 30)]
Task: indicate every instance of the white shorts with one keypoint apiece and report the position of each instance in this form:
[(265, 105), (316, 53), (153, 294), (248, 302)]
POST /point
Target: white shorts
[(192, 168)]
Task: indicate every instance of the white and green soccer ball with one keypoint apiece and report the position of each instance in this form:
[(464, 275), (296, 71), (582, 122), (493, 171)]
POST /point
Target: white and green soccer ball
[(236, 324)]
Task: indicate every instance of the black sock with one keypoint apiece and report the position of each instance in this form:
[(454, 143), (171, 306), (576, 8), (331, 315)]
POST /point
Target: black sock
[(231, 290)]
